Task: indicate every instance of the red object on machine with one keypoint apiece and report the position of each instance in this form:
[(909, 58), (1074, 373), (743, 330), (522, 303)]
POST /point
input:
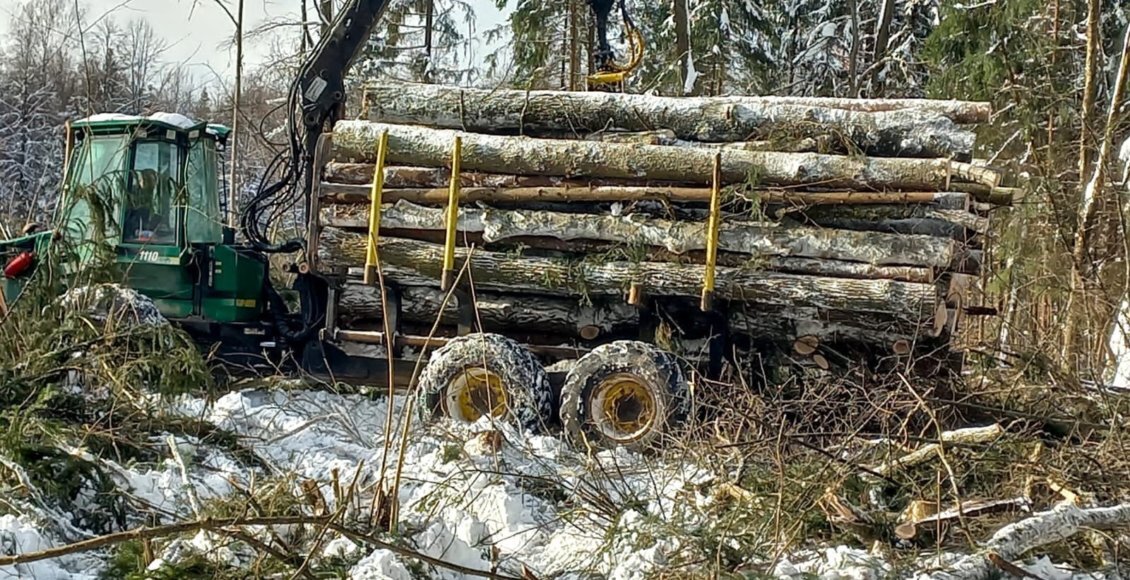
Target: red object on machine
[(19, 264)]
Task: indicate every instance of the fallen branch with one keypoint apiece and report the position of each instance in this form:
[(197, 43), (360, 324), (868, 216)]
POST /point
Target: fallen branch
[(963, 436), (1014, 540), (219, 526)]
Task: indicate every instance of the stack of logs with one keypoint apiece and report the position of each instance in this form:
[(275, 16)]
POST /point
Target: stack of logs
[(843, 221)]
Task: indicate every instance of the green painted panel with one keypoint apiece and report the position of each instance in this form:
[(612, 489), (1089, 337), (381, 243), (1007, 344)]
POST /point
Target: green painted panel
[(235, 285)]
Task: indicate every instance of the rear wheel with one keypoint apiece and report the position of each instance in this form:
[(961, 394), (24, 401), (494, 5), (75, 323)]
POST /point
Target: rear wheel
[(624, 393), (486, 375)]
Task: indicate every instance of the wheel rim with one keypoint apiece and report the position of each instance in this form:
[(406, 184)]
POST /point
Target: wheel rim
[(476, 392), (624, 409)]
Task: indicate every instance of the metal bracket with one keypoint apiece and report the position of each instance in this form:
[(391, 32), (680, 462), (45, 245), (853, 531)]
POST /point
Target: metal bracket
[(466, 305), (331, 310)]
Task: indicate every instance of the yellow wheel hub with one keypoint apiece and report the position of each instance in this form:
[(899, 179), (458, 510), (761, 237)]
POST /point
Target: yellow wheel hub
[(474, 393), (625, 409)]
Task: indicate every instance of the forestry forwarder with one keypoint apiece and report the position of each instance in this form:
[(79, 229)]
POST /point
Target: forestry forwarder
[(152, 184)]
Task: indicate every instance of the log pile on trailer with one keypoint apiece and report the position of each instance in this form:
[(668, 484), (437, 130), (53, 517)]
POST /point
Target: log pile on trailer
[(584, 217)]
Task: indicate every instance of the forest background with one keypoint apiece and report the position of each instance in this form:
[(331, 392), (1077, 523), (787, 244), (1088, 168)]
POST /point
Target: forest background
[(1054, 70)]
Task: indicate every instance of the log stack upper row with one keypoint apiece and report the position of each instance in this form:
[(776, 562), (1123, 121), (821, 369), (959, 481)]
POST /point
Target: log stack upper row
[(844, 221)]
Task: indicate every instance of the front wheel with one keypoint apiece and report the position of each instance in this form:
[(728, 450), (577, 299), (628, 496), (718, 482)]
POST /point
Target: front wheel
[(486, 374), (624, 393)]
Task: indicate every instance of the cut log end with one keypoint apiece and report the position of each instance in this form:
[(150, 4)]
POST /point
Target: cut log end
[(806, 345)]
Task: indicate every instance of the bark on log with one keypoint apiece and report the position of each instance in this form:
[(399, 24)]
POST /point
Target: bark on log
[(888, 212), (338, 193), (901, 132), (557, 248), (785, 201), (552, 248), (401, 176), (752, 238), (961, 112), (1049, 527), (490, 270), (354, 141), (568, 318), (558, 316), (335, 193), (832, 326)]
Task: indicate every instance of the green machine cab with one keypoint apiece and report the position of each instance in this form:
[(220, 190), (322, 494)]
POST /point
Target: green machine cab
[(148, 191)]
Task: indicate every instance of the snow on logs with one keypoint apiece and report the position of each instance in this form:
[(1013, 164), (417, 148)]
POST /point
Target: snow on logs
[(924, 130), (844, 221)]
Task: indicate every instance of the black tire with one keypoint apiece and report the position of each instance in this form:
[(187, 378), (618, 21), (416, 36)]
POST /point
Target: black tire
[(529, 400), (653, 377)]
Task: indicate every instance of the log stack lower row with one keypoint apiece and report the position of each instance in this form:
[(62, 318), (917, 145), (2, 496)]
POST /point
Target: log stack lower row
[(848, 244)]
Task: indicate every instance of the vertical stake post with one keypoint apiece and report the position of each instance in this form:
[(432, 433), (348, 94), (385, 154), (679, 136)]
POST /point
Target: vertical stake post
[(375, 210), (712, 228), (452, 218)]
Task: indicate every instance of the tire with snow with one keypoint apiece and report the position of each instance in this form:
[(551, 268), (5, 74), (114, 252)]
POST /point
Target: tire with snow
[(624, 393), (484, 373)]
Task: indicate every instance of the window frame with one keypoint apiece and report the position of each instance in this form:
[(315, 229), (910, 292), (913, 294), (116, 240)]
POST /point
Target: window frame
[(176, 201)]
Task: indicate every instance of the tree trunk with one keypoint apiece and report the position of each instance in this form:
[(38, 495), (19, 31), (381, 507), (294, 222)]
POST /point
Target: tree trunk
[(355, 141), (558, 248), (677, 237), (490, 270), (1090, 75), (680, 16), (827, 216), (361, 303), (882, 37), (341, 174), (359, 194), (1083, 262), (857, 328), (967, 229), (901, 133), (534, 314)]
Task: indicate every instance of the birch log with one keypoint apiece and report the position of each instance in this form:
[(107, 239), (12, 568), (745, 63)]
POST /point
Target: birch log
[(677, 237), (962, 227), (878, 213), (764, 326), (1015, 540), (338, 193), (490, 270), (901, 132), (355, 141), (567, 317), (558, 316), (403, 176)]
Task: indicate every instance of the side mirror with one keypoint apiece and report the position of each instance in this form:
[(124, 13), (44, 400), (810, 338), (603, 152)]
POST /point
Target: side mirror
[(228, 235)]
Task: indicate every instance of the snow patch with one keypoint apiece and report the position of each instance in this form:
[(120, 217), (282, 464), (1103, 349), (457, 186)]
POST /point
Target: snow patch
[(20, 534), (174, 119)]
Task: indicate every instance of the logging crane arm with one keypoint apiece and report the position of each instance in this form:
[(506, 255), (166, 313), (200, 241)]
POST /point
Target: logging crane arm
[(608, 71), (317, 99)]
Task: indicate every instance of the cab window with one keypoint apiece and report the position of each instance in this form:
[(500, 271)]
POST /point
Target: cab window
[(96, 171), (151, 199), (203, 220)]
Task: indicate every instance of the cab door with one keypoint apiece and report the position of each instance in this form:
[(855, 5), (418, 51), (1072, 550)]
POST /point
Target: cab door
[(152, 248)]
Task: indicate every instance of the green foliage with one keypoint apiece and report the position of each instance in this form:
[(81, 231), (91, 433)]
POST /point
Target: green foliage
[(538, 33), (45, 345), (404, 50)]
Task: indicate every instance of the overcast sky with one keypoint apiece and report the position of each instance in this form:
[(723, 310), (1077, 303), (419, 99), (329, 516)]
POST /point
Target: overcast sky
[(199, 32)]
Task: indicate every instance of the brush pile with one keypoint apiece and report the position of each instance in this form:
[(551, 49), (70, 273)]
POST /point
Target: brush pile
[(843, 222)]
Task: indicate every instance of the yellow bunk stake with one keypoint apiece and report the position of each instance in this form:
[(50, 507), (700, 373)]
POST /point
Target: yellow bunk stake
[(375, 210), (452, 216), (712, 227)]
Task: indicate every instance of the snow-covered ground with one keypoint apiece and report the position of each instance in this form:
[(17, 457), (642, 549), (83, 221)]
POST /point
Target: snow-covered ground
[(465, 494)]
